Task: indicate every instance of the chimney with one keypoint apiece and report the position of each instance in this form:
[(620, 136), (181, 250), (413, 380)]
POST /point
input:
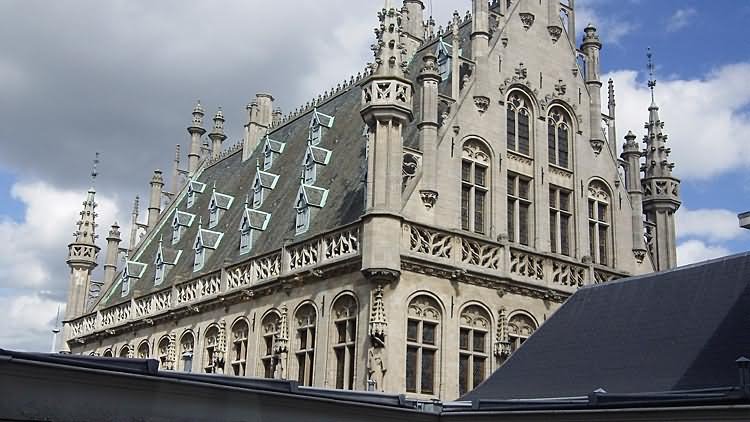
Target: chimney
[(154, 203)]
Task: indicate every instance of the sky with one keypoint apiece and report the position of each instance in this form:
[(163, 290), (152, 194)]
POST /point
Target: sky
[(121, 77)]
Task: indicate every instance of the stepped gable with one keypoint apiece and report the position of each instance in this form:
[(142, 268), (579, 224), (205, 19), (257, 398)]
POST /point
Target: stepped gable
[(681, 329), (343, 177)]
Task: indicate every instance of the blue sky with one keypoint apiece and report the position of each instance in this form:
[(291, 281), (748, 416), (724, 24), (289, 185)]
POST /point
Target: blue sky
[(120, 77)]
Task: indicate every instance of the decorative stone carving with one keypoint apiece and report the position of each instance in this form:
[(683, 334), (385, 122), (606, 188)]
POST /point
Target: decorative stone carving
[(502, 345), (376, 369), (410, 165), (554, 32), (378, 320), (597, 145), (640, 255), (482, 103), (521, 72), (527, 19), (429, 198)]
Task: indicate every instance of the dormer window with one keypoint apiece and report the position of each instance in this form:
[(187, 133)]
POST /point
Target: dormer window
[(314, 157), (318, 122), (132, 270), (216, 208), (165, 259), (444, 51), (308, 197), (125, 284), (271, 149), (194, 188), (263, 183), (180, 222), (205, 242), (253, 222)]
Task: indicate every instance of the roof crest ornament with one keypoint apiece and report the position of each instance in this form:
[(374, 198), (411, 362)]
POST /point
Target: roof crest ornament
[(651, 78)]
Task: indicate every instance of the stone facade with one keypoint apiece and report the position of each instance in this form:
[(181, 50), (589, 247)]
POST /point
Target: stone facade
[(423, 242)]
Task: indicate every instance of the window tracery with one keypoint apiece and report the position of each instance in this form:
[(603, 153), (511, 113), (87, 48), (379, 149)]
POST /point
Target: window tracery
[(475, 186), (600, 228), (473, 348), (558, 137), (423, 345), (518, 120), (520, 328), (306, 335), (240, 332), (345, 337)]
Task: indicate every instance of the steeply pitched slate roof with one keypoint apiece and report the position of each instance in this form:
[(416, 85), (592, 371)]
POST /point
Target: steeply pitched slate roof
[(344, 204), (676, 330)]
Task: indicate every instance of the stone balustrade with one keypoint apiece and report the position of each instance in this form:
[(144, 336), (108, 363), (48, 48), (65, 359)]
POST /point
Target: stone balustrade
[(328, 248)]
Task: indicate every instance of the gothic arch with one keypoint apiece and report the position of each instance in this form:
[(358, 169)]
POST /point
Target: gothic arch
[(524, 313), (482, 143), (426, 293), (344, 330), (425, 335), (141, 348), (558, 102), (341, 295), (479, 304), (107, 353), (535, 107)]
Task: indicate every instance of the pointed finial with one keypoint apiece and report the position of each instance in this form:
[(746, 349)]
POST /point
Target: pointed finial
[(247, 199), (161, 236), (651, 79), (257, 164), (94, 171)]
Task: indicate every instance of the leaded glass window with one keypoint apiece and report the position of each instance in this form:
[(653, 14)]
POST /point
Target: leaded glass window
[(520, 327), (519, 209), (475, 186), (305, 350), (560, 220), (600, 229), (344, 340), (473, 348), (423, 346), (558, 137), (518, 121)]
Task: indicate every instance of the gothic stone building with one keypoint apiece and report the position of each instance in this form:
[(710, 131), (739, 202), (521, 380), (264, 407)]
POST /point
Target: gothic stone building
[(404, 231)]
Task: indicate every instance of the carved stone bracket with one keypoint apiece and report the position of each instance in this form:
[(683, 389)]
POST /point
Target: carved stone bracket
[(597, 145), (482, 103), (640, 255), (527, 19), (554, 32), (429, 198), (385, 275)]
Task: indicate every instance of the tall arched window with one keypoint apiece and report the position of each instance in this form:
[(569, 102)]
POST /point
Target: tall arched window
[(518, 121), (520, 213), (345, 338), (600, 228), (475, 184), (212, 361), (560, 220), (473, 348), (143, 350), (163, 352), (270, 329), (239, 347), (558, 137), (187, 345), (125, 352), (520, 327), (107, 353), (423, 345), (305, 350)]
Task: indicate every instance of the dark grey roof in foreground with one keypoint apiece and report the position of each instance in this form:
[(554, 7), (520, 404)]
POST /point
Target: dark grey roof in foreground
[(681, 329)]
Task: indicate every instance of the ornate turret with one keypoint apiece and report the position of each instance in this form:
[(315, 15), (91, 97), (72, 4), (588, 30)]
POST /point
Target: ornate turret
[(386, 108), (631, 154), (196, 131), (591, 48), (154, 202), (661, 191), (217, 135), (429, 78), (82, 254)]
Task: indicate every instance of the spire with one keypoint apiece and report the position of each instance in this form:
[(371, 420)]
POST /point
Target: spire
[(94, 171), (651, 79), (388, 48), (657, 154)]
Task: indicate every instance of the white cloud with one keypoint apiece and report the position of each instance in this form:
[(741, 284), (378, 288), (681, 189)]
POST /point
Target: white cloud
[(714, 225), (693, 251), (702, 115), (680, 19), (33, 273), (612, 29)]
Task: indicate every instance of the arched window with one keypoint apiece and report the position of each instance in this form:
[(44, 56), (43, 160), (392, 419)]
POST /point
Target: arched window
[(345, 338), (270, 329), (422, 345), (125, 352), (107, 353), (475, 186), (600, 228), (520, 327), (187, 345), (518, 121), (239, 347), (163, 352), (473, 348), (143, 350), (305, 351), (558, 137), (213, 363)]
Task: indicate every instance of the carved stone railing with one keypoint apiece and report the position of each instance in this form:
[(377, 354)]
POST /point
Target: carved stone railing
[(115, 315), (331, 247), (153, 303), (467, 252)]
